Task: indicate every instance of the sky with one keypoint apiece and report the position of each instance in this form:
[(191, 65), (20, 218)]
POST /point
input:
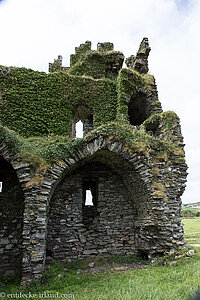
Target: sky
[(35, 32)]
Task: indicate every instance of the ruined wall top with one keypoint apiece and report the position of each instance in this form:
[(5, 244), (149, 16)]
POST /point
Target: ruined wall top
[(106, 56), (140, 61)]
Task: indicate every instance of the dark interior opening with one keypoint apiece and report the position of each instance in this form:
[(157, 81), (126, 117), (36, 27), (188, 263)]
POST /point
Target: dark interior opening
[(90, 119), (89, 210), (11, 221), (137, 110), (153, 126), (88, 124)]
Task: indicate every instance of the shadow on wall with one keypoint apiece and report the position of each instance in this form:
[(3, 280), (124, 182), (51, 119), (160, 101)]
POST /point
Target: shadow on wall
[(11, 221)]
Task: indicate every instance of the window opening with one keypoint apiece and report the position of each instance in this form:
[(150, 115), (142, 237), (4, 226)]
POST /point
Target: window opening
[(90, 119), (89, 202), (89, 198), (137, 109), (79, 129), (88, 124)]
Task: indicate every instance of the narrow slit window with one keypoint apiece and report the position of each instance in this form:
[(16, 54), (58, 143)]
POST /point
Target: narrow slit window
[(89, 204), (79, 129), (89, 198)]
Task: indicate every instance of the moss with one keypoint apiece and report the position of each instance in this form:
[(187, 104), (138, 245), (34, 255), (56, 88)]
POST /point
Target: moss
[(160, 190), (81, 51), (36, 180), (42, 151), (149, 81), (162, 156), (158, 186), (170, 119), (180, 159), (129, 82), (12, 140), (155, 172)]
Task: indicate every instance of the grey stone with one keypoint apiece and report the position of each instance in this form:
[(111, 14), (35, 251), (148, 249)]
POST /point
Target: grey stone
[(91, 264)]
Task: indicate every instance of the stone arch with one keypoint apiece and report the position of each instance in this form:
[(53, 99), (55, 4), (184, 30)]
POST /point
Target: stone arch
[(56, 173), (103, 151), (12, 211), (150, 216)]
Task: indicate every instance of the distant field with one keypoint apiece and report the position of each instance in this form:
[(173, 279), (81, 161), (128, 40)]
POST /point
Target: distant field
[(191, 206), (192, 230)]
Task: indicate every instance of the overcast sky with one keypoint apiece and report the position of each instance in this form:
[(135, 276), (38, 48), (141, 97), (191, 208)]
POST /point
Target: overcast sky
[(34, 32)]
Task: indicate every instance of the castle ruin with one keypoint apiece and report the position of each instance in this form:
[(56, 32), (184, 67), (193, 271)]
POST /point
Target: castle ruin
[(130, 161)]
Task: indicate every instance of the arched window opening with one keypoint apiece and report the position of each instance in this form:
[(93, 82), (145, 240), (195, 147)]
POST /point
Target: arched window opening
[(82, 122), (137, 110), (79, 129)]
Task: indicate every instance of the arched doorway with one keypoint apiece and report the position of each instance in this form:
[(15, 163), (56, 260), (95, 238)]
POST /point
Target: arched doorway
[(11, 221), (106, 226)]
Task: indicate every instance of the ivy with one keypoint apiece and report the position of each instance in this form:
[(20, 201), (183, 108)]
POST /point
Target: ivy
[(99, 64), (38, 104), (43, 151)]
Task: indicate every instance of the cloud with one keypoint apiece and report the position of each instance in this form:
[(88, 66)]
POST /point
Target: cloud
[(34, 32), (35, 28)]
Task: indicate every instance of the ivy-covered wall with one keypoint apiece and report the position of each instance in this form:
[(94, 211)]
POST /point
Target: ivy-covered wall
[(99, 65), (35, 103)]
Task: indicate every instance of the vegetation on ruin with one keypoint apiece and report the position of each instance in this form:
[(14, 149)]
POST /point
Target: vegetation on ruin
[(48, 149), (169, 278), (97, 64), (37, 110), (160, 190), (38, 104), (129, 81)]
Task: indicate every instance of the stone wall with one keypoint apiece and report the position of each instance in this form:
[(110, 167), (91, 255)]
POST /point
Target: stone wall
[(11, 221), (111, 228)]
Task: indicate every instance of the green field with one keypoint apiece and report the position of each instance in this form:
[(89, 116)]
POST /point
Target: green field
[(192, 230), (169, 278)]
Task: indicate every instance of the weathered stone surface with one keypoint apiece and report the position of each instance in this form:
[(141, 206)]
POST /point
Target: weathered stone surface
[(140, 61)]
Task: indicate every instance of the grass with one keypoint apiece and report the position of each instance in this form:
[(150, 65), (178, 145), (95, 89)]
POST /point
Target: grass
[(154, 282), (192, 230)]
